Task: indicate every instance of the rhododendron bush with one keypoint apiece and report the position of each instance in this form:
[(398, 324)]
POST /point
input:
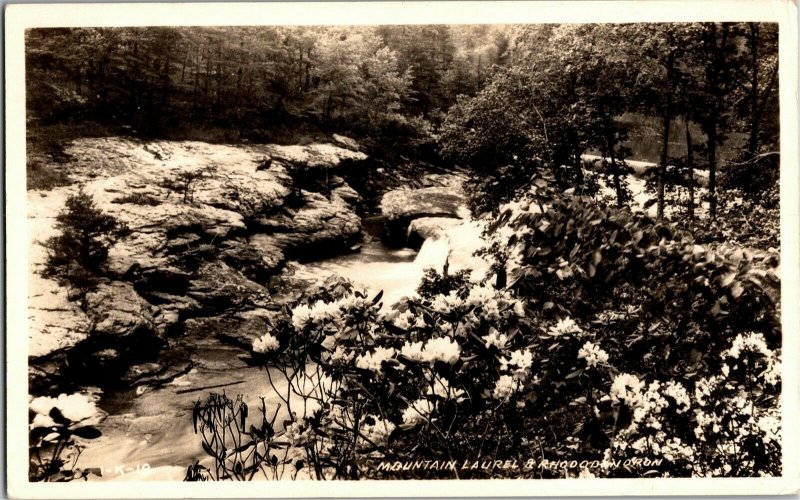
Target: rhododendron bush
[(601, 337)]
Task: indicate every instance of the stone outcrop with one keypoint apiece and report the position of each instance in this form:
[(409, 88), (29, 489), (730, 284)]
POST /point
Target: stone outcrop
[(209, 225), (404, 206), (424, 228)]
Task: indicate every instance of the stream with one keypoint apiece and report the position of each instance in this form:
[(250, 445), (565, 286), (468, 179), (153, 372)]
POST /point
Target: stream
[(148, 435)]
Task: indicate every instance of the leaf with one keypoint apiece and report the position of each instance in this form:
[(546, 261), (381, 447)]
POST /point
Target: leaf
[(40, 432), (208, 450), (574, 374), (87, 432), (377, 298), (728, 279), (736, 290), (59, 417)]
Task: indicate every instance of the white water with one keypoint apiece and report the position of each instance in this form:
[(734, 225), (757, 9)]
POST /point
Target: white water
[(398, 272)]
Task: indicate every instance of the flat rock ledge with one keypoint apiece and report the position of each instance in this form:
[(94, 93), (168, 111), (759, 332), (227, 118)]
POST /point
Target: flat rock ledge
[(197, 252)]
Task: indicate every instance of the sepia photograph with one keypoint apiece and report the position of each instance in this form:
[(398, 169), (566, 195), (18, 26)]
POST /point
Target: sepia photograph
[(435, 251)]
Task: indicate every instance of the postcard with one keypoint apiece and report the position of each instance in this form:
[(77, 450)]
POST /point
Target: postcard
[(402, 249)]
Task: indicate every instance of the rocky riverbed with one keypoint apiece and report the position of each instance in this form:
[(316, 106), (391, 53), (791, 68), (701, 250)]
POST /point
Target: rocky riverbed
[(209, 251), (206, 259)]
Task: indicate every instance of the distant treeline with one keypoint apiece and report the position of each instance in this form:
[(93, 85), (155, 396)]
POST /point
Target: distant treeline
[(486, 97), (256, 81)]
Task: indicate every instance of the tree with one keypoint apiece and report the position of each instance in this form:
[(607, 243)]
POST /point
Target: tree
[(755, 102), (75, 257), (715, 55)]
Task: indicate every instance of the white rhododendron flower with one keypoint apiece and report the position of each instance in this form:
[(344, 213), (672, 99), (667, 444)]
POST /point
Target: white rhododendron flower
[(446, 303), (301, 315), (341, 356), (75, 407), (495, 338), (442, 349), (266, 343), (404, 320), (627, 388), (413, 351), (372, 361), (418, 412), (504, 387), (518, 364), (593, 355), (40, 420), (565, 326)]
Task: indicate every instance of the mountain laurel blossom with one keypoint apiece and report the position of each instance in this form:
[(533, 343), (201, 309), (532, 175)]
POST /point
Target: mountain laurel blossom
[(565, 326), (417, 412), (372, 361), (266, 343), (626, 388), (593, 355), (75, 407), (504, 387)]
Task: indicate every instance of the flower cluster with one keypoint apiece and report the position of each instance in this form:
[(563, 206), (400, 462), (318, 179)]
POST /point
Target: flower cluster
[(75, 407), (518, 364), (442, 349), (505, 387), (495, 338), (626, 388), (565, 326), (266, 343), (593, 355), (418, 412), (373, 361)]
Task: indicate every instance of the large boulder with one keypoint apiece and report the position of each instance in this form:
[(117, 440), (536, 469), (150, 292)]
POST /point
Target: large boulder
[(219, 287), (315, 156), (425, 228), (321, 226), (424, 202), (401, 207), (191, 251), (118, 311)]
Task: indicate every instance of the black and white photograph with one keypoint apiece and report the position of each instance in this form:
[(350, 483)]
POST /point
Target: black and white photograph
[(322, 251)]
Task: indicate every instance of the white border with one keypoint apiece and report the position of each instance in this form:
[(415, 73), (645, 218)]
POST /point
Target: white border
[(19, 17)]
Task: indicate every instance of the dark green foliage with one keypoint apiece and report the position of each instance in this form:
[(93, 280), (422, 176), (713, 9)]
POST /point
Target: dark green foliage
[(49, 445), (75, 257), (583, 259), (240, 450), (434, 283), (185, 182)]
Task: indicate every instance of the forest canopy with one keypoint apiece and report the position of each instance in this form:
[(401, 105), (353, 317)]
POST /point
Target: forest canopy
[(503, 101)]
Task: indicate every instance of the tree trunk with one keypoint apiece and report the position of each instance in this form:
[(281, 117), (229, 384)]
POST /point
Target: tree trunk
[(690, 171), (666, 122), (755, 118), (712, 165), (609, 138)]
